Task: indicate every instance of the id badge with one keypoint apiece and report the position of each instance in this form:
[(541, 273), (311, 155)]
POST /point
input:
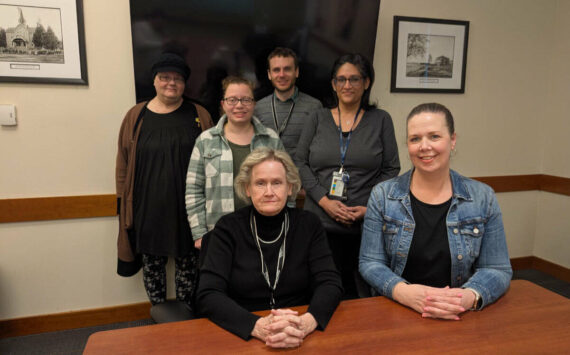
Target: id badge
[(339, 184)]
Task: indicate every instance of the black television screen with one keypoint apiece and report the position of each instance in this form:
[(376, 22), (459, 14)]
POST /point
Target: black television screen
[(222, 37)]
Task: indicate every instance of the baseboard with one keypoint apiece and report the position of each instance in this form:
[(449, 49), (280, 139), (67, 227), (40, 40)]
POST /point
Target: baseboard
[(72, 320), (536, 263), (522, 263), (138, 311), (551, 269)]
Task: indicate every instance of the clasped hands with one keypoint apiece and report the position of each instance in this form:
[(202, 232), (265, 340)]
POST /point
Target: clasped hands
[(284, 328), (433, 302), (340, 212)]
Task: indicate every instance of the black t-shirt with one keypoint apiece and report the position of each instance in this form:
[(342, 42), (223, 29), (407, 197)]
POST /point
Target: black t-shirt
[(429, 258)]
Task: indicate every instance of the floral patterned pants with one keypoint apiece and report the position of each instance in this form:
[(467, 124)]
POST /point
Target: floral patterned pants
[(154, 277)]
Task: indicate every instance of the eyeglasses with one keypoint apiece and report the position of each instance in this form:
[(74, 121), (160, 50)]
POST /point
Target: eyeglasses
[(355, 81), (232, 101), (167, 78)]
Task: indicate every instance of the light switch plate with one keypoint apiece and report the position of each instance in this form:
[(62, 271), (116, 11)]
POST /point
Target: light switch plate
[(8, 115)]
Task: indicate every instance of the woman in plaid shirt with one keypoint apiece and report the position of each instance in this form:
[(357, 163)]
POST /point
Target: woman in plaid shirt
[(218, 154)]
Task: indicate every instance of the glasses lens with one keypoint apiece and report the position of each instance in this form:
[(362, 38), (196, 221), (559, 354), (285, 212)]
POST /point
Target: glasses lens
[(246, 101), (167, 79), (355, 80), (340, 81)]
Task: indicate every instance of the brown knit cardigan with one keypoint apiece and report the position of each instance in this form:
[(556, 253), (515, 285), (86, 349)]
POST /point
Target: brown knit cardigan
[(128, 264)]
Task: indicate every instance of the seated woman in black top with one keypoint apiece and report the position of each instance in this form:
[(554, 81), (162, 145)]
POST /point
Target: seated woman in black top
[(269, 256)]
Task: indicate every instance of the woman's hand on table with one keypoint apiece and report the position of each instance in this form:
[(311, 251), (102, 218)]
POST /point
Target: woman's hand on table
[(336, 210), (260, 330), (433, 302), (287, 329)]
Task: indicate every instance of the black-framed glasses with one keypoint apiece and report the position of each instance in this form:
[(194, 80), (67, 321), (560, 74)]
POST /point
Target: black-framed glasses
[(168, 78), (355, 81), (232, 101)]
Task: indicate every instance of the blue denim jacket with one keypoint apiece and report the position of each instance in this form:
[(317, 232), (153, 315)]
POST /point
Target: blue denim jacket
[(479, 255)]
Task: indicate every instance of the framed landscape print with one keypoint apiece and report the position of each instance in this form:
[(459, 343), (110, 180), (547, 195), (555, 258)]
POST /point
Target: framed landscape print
[(42, 41), (429, 55)]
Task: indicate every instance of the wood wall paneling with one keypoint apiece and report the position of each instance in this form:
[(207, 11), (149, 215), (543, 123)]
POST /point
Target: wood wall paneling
[(89, 206), (52, 208)]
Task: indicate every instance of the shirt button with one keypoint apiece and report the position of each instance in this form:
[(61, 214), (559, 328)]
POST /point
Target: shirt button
[(476, 230), (384, 228), (459, 257), (455, 230)]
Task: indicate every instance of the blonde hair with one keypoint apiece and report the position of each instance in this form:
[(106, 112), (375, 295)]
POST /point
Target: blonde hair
[(258, 156)]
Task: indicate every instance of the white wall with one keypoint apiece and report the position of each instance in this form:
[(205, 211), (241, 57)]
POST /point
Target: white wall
[(64, 145), (512, 119), (552, 235)]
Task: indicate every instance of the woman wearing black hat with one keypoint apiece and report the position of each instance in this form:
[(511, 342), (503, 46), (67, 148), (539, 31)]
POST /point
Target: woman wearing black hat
[(155, 144)]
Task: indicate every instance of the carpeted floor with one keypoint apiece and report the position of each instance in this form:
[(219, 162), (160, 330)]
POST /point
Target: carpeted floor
[(71, 342), (65, 342)]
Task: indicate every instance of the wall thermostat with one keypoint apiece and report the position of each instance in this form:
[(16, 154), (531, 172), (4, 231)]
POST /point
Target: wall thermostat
[(7, 115)]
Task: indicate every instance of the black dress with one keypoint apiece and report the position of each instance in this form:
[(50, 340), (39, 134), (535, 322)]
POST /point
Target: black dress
[(163, 152), (232, 284)]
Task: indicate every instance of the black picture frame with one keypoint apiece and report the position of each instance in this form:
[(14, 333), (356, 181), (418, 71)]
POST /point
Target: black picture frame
[(59, 59), (429, 55)]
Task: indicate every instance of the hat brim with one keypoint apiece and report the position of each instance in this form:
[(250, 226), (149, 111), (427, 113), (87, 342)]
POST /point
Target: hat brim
[(178, 70)]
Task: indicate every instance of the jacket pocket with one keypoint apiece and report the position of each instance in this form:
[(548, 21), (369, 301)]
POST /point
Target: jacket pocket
[(472, 233), (390, 231), (212, 162)]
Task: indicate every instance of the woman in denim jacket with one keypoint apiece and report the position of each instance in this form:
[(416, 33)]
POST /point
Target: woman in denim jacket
[(433, 240)]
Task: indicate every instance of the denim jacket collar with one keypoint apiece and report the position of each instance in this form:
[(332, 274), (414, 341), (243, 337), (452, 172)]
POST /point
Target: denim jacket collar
[(400, 190)]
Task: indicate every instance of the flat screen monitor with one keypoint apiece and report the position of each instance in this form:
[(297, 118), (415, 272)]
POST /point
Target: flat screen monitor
[(222, 37)]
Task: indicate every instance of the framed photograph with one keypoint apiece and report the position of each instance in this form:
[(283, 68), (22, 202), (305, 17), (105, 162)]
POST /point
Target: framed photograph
[(42, 41), (429, 55)]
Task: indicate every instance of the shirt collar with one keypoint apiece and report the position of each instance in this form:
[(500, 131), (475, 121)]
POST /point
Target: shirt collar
[(293, 97)]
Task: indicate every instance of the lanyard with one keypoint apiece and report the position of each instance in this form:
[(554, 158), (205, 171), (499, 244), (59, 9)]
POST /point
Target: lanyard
[(342, 143), (284, 125), (280, 259)]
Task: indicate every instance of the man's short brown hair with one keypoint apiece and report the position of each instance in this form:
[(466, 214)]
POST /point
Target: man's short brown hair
[(282, 52)]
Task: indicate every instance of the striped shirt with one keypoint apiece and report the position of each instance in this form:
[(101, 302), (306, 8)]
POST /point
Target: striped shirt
[(305, 105)]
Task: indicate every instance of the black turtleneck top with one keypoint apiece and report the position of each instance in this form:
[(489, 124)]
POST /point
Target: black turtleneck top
[(232, 284), (268, 230)]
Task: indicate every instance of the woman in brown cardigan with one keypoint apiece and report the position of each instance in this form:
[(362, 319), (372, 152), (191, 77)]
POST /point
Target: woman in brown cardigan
[(155, 143)]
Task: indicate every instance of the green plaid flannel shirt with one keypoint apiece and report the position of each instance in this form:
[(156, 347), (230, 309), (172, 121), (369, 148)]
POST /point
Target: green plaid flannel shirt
[(210, 178)]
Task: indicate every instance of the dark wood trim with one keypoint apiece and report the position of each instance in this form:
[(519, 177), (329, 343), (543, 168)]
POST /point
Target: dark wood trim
[(52, 208), (550, 268), (89, 206), (555, 184), (511, 183), (541, 182), (72, 320), (522, 263), (536, 263)]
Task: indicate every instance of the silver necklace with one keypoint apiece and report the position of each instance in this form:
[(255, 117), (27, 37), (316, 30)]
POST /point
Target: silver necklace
[(280, 258), (271, 241)]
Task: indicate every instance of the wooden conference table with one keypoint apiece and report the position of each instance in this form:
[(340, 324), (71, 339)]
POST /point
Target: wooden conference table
[(528, 319)]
